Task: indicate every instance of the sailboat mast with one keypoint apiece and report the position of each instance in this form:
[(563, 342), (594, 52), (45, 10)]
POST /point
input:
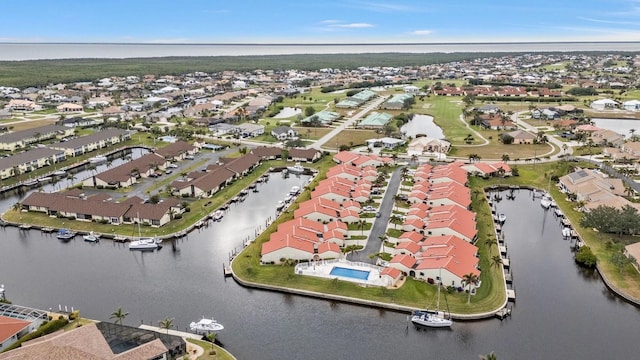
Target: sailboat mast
[(439, 284)]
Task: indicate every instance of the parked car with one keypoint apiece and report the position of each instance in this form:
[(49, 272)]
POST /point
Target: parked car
[(172, 166), (369, 208), (189, 157)]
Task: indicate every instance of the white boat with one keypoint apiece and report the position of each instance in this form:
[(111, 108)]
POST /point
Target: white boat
[(296, 169), (545, 202), (91, 237), (566, 232), (218, 215), (435, 319), (144, 244), (64, 234), (288, 198), (2, 291), (294, 190), (430, 319), (98, 159), (502, 218), (553, 204), (559, 212), (60, 173), (281, 205), (205, 325)]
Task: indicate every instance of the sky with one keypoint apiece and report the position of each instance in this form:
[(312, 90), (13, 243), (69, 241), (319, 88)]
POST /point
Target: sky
[(319, 21)]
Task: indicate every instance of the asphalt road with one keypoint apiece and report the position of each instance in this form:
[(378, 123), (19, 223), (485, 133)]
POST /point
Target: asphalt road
[(379, 227)]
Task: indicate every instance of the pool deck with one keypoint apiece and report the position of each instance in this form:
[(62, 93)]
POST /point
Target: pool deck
[(323, 269)]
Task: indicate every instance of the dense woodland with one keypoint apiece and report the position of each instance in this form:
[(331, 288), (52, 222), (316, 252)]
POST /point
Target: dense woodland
[(43, 72)]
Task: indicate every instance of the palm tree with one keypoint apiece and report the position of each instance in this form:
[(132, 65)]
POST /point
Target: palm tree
[(470, 279), (119, 315), (167, 323), (489, 356), (211, 337), (361, 225), (395, 219), (496, 260), (505, 157)]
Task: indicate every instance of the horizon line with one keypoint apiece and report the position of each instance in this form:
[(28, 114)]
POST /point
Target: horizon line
[(312, 43)]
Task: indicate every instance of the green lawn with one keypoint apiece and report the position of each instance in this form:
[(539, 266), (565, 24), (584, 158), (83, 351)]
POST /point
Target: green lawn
[(221, 354)]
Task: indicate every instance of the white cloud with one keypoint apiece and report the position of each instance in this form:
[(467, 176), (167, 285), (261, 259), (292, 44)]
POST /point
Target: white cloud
[(384, 7), (352, 25), (329, 21), (614, 22), (421, 32)]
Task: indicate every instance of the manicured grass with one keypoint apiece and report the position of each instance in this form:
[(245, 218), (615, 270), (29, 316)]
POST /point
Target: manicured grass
[(446, 113), (221, 354), (351, 137), (495, 150), (312, 133), (31, 124)]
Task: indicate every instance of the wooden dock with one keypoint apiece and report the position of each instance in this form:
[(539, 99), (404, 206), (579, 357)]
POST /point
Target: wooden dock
[(508, 278), (511, 295)]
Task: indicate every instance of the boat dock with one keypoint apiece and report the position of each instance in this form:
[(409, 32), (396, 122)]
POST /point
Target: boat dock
[(511, 295)]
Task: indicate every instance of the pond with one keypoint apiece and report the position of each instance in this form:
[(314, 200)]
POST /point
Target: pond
[(621, 126), (422, 124)]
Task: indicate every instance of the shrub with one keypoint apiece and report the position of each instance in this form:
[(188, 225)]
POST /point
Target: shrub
[(586, 258)]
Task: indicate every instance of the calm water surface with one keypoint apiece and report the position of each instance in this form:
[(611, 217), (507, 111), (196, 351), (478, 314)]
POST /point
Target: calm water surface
[(422, 124), (561, 312), (621, 126)]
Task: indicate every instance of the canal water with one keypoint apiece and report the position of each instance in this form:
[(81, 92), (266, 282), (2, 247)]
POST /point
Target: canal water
[(561, 311), (620, 126), (422, 124)]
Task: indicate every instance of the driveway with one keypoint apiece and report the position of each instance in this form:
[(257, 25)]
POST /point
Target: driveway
[(379, 227)]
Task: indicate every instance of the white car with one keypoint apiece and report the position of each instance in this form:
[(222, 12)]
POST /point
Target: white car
[(368, 208), (172, 166)]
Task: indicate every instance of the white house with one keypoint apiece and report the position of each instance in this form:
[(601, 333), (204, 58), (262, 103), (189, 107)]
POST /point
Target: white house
[(631, 105), (604, 104)]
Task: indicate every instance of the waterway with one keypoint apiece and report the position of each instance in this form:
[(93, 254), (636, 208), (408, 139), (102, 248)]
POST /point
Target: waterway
[(561, 311), (422, 124), (34, 51), (620, 126)]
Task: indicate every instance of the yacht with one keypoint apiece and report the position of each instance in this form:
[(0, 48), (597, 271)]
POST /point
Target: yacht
[(144, 244), (294, 190), (430, 319), (205, 325), (296, 169)]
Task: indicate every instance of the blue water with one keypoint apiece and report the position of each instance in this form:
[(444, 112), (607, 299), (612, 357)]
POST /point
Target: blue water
[(350, 273)]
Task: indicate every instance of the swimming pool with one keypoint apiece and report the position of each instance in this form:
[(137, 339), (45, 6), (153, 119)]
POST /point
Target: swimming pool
[(350, 273)]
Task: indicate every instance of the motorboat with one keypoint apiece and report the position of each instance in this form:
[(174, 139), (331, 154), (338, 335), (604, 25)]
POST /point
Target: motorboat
[(502, 218), (545, 202), (218, 215), (64, 234), (98, 159), (205, 325), (430, 319), (144, 244), (281, 205), (294, 190), (296, 169), (288, 198), (566, 232), (91, 237)]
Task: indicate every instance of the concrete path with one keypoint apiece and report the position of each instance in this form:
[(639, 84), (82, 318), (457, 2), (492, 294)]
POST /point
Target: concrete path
[(372, 106), (484, 140), (379, 227)]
